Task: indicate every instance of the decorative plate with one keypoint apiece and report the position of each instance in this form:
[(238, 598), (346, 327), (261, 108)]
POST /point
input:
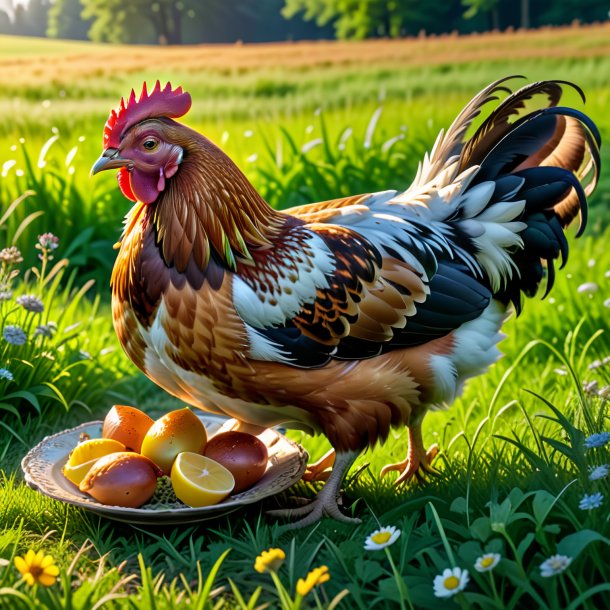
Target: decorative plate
[(43, 464)]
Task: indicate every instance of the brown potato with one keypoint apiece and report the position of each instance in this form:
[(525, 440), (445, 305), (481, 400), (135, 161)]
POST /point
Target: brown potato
[(244, 455), (124, 479)]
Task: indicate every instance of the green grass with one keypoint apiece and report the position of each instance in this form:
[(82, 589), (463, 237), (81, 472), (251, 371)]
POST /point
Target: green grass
[(513, 466)]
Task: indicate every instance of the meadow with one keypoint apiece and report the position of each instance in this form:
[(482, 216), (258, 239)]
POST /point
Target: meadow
[(306, 122)]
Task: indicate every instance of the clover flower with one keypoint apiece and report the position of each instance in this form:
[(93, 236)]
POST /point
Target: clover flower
[(47, 241), (46, 330), (11, 255), (597, 440), (450, 582), (554, 565), (381, 538), (6, 374), (37, 568), (591, 501), (6, 295), (487, 562), (269, 561), (316, 577), (598, 472), (30, 303), (15, 335)]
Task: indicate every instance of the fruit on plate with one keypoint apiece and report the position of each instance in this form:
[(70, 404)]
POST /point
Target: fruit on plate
[(85, 454), (243, 454), (127, 425), (199, 481), (177, 431), (124, 478)]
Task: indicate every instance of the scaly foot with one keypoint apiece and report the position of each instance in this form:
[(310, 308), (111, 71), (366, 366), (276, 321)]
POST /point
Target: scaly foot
[(419, 466), (418, 462), (325, 503), (320, 470)]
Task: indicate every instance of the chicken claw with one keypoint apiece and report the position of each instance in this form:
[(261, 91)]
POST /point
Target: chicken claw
[(418, 462), (320, 470), (325, 503)]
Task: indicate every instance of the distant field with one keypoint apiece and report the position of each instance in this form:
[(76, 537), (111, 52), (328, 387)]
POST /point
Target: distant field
[(244, 94)]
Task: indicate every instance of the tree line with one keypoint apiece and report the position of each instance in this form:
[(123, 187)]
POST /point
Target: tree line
[(195, 21)]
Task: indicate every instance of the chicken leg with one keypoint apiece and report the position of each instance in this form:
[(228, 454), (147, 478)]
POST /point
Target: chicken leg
[(418, 461), (325, 503), (320, 470)]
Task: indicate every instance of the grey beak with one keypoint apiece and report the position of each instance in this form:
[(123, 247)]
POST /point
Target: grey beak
[(110, 159)]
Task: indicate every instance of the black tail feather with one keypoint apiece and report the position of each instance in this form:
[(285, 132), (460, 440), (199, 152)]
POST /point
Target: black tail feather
[(530, 161)]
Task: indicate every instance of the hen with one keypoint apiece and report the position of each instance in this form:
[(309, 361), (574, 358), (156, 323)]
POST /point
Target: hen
[(350, 316)]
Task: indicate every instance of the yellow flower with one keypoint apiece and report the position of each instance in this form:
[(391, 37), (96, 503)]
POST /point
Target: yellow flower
[(316, 577), (37, 568), (269, 561)]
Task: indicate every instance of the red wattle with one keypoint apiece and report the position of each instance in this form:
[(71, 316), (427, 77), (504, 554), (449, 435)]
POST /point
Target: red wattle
[(125, 184)]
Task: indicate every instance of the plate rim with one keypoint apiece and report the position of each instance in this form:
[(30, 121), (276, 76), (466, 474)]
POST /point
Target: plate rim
[(122, 513)]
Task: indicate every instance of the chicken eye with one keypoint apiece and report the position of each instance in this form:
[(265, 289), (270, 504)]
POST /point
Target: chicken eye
[(150, 144)]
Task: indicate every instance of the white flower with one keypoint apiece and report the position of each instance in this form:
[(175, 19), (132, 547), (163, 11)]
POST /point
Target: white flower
[(554, 565), (598, 472), (30, 303), (589, 287), (381, 538), (450, 582), (14, 335), (604, 392), (591, 501), (597, 440), (487, 562), (6, 374)]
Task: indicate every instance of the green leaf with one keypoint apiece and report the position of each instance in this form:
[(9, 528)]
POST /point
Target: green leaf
[(574, 544), (525, 544), (481, 528), (460, 506), (541, 505)]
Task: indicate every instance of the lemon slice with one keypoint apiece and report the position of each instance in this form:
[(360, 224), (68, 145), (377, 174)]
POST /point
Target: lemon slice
[(199, 481), (85, 454)]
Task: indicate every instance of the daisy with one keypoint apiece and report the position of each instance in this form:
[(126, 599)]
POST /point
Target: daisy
[(487, 562), (381, 538), (316, 577), (450, 582), (554, 565), (37, 568), (598, 472), (597, 440), (591, 501), (269, 561)]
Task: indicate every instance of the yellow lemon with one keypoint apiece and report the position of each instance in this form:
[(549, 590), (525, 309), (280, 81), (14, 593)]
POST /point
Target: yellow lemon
[(199, 481), (85, 454), (177, 431)]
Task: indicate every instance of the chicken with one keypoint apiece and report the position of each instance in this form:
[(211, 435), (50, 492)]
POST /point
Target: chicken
[(347, 317)]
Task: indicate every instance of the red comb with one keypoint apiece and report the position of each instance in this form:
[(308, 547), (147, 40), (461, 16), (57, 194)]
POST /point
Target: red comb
[(160, 102)]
